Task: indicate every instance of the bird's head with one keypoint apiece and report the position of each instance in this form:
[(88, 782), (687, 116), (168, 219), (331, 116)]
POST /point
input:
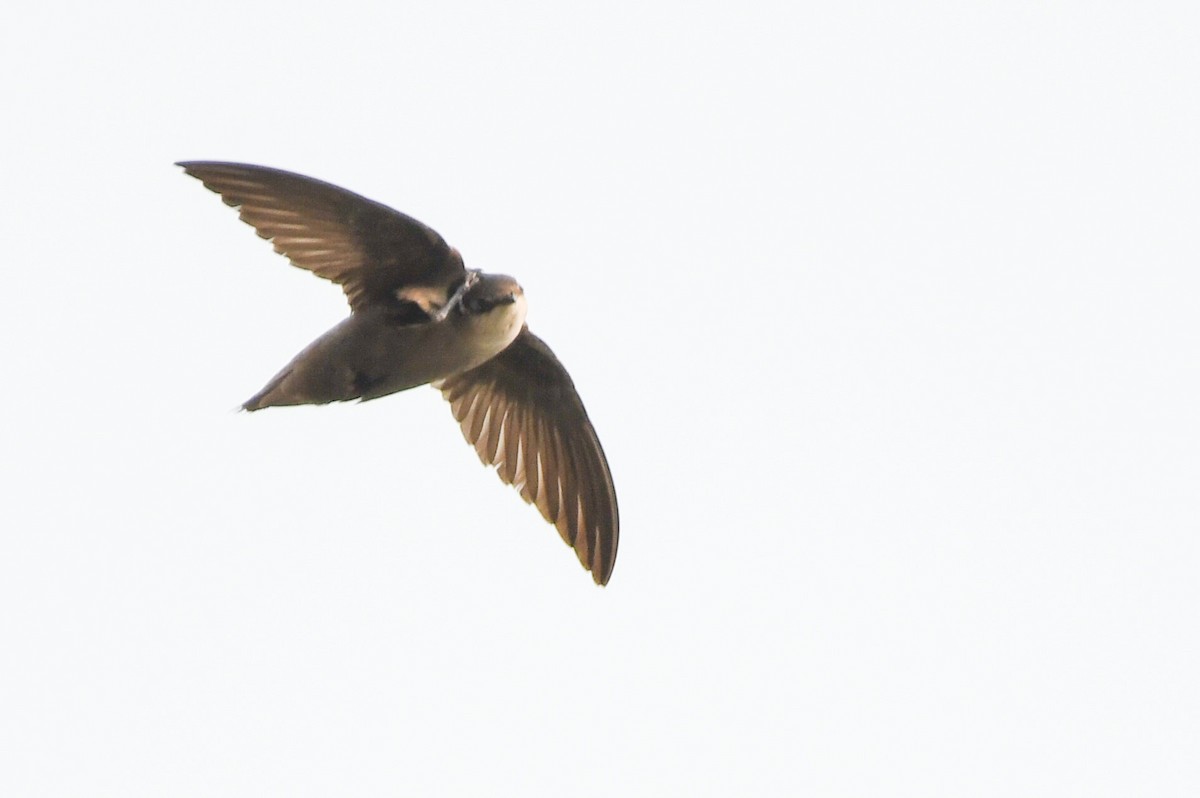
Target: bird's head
[(490, 292), (494, 306)]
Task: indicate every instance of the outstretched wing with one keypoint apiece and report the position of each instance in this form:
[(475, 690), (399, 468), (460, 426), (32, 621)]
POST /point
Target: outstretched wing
[(369, 249), (521, 413)]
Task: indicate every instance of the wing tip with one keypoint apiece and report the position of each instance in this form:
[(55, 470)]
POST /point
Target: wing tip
[(602, 569), (602, 562), (227, 168)]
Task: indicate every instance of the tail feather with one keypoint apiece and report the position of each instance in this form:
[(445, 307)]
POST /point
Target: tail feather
[(271, 394)]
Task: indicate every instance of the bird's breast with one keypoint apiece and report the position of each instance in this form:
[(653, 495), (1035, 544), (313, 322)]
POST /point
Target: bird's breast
[(487, 335)]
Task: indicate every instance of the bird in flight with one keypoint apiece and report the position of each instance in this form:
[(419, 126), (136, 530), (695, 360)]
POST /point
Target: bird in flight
[(418, 316)]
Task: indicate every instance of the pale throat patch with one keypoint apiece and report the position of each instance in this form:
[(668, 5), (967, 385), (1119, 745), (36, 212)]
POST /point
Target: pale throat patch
[(493, 331), (503, 323)]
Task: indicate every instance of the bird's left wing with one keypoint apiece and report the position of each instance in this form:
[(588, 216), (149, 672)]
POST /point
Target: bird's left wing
[(522, 414), (377, 254)]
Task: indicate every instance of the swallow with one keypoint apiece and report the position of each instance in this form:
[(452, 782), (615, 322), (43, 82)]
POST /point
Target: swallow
[(418, 316)]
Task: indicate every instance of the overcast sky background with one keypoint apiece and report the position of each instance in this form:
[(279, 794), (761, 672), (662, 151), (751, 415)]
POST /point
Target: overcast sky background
[(887, 315)]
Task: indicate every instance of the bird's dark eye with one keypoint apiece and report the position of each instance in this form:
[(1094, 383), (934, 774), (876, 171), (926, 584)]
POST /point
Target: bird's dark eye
[(477, 304)]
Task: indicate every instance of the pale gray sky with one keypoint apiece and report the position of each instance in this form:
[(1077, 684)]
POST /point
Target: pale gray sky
[(887, 315)]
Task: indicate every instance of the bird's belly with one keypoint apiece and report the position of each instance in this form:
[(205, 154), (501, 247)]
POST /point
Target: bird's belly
[(390, 359), (366, 357), (387, 359)]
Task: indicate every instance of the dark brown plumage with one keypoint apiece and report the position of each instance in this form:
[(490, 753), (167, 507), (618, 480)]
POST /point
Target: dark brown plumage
[(419, 316)]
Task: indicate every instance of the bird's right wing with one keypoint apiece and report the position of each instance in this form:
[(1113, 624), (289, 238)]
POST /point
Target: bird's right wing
[(369, 249), (521, 413)]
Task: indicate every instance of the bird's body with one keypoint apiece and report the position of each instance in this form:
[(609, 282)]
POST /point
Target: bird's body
[(372, 354), (419, 316)]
